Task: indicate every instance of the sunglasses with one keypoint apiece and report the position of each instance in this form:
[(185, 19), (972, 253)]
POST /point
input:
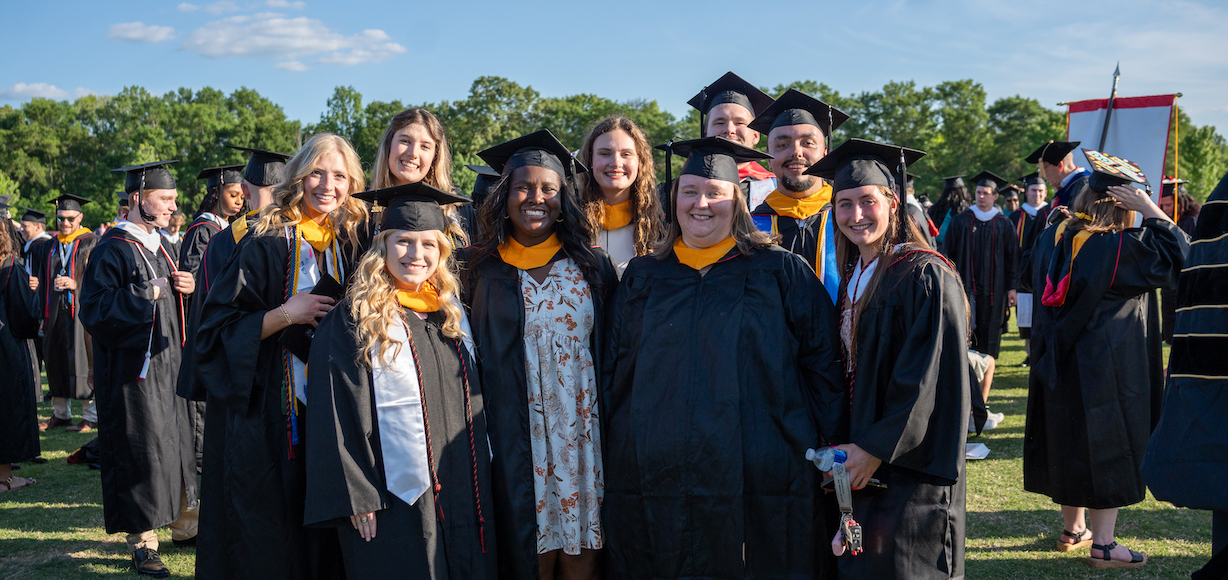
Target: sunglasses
[(61, 218)]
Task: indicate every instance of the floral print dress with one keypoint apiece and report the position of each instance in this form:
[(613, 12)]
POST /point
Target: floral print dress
[(563, 424)]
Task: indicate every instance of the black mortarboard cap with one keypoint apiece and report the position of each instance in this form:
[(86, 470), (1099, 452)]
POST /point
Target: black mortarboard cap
[(147, 176), (910, 178), (485, 183), (264, 168), (953, 181), (1168, 184), (123, 197), (857, 162), (712, 157), (538, 149), (1009, 189), (731, 89), (4, 200), (33, 215), (413, 206), (69, 202), (1032, 178), (218, 176), (1108, 171), (989, 179), (1052, 152), (797, 108)]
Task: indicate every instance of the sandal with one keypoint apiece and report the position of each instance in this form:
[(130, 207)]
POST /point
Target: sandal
[(1136, 559), (8, 483), (1079, 542)]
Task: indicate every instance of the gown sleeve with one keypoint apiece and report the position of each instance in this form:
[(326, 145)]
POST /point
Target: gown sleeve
[(1151, 257), (815, 323), (116, 301), (193, 249), (21, 303), (344, 477)]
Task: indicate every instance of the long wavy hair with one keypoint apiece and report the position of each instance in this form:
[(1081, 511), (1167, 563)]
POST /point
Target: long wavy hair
[(6, 245), (747, 236), (288, 205), (438, 176), (572, 228), (646, 211), (952, 201), (1104, 213), (373, 302)]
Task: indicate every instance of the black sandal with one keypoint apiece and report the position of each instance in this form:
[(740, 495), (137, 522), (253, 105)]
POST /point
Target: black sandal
[(1106, 562), (1079, 542)]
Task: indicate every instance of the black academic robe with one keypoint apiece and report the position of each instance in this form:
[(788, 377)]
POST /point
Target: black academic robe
[(191, 256), (910, 405), (1187, 457), (1065, 196), (34, 251), (496, 312), (19, 315), (143, 430), (986, 255), (66, 346), (714, 387), (251, 521), (16, 240), (345, 465), (1097, 374), (921, 220), (1168, 296), (804, 239)]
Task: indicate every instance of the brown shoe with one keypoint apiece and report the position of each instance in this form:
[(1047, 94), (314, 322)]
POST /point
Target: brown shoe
[(82, 427), (53, 423), (147, 562)]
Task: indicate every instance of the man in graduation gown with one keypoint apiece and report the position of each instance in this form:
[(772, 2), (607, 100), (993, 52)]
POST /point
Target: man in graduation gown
[(134, 296), (1029, 220), (918, 213), (67, 347), (981, 243), (34, 228), (15, 238), (1186, 461), (1056, 159), (799, 209)]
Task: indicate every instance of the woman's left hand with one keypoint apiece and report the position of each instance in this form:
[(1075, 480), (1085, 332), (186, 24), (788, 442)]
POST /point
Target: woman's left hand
[(365, 524)]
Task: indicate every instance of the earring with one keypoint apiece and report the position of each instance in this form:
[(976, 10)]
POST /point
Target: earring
[(560, 220), (505, 216)]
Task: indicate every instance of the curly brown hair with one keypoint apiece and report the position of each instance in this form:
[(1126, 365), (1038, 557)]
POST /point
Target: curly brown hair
[(646, 211)]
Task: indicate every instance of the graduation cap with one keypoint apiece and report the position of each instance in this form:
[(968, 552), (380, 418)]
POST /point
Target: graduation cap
[(1170, 184), (858, 163), (220, 176), (1052, 152), (990, 180), (1010, 189), (1032, 178), (731, 88), (264, 168), (797, 108), (154, 175), (1108, 170), (712, 157), (909, 179), (413, 206), (4, 200), (69, 202), (33, 215), (953, 181), (537, 149), (485, 183)]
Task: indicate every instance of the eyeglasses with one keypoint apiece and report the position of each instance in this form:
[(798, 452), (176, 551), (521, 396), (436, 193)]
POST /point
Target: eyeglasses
[(61, 218)]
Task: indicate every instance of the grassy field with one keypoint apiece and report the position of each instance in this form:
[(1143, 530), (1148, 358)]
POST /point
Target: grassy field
[(54, 529)]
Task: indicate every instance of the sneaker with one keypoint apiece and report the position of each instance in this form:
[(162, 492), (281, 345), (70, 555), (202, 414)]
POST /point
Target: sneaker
[(993, 420)]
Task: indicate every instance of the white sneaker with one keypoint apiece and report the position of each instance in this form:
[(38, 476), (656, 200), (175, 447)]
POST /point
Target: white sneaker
[(992, 421)]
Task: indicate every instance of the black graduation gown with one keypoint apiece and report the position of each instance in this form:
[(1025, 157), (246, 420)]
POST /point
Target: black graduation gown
[(1065, 196), (910, 407), (251, 521), (1187, 458), (19, 316), (143, 430), (986, 255), (64, 338), (345, 466), (1097, 375), (496, 313), (714, 386), (34, 263), (191, 256), (921, 220), (804, 239)]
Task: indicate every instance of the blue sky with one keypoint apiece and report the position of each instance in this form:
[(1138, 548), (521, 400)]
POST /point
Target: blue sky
[(295, 51)]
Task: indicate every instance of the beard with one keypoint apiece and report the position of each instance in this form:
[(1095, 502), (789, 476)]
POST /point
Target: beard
[(796, 184)]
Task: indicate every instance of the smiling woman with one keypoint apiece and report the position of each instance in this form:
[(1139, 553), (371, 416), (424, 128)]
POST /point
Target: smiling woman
[(619, 193)]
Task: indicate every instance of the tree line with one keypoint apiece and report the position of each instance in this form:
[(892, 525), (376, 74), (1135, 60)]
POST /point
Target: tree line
[(49, 147)]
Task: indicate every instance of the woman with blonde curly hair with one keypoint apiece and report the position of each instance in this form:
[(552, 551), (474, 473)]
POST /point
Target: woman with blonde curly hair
[(254, 340), (414, 148), (397, 410), (619, 191)]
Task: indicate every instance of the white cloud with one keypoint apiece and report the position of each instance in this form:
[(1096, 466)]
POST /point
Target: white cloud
[(185, 7), (23, 91), (286, 4), (292, 65), (139, 32), (223, 6), (82, 91), (276, 37)]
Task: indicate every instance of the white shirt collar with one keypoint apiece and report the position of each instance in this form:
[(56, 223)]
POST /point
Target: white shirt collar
[(217, 220), (1032, 210), (151, 240), (985, 215), (42, 236), (1072, 176)]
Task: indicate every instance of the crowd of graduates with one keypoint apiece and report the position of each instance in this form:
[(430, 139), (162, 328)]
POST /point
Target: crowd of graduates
[(748, 370)]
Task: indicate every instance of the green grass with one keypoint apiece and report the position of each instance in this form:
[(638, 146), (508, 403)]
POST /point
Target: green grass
[(54, 529)]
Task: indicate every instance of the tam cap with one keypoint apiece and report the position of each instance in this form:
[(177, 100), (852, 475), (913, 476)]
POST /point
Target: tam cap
[(219, 176), (858, 162), (731, 88), (1108, 171), (69, 202), (1052, 152), (1032, 178), (989, 179), (797, 108), (264, 168), (33, 215), (537, 149), (147, 176), (485, 184), (712, 157), (412, 207)]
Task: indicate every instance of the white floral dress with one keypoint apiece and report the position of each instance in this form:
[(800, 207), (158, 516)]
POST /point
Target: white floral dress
[(563, 425)]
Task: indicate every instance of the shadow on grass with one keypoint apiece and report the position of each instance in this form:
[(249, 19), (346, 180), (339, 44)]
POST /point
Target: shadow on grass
[(71, 559), (1072, 566)]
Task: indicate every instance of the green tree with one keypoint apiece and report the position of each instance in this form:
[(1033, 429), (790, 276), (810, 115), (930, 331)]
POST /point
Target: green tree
[(1020, 125)]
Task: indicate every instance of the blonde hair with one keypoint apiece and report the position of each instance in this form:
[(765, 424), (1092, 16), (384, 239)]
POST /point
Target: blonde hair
[(373, 302), (646, 213), (287, 206), (1104, 213), (747, 236), (438, 176)]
